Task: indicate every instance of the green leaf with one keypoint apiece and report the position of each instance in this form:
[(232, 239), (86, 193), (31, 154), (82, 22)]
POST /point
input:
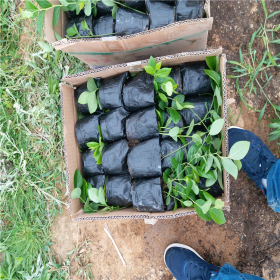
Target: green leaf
[(261, 115), (238, 163), (71, 31), (273, 14), (83, 195), (173, 162), (169, 88), (63, 2), (219, 204), (150, 70), (217, 93), (152, 62), (211, 62), (158, 65), (216, 160), (84, 25), (195, 188), (210, 182), (198, 204), (175, 116), (92, 102), (78, 179), (173, 132), (208, 196), (109, 3), (57, 36), (165, 177), (196, 138), (216, 127), (190, 129), (168, 200), (101, 196), (40, 23), (179, 156), (230, 167), (45, 47), (83, 99), (93, 194), (88, 8), (56, 13), (188, 203), (206, 206), (164, 72), (91, 85), (25, 14), (76, 193), (114, 11), (179, 106), (209, 163), (93, 145), (214, 75), (30, 7), (217, 215), (162, 97), (264, 7), (272, 59), (44, 4), (239, 150)]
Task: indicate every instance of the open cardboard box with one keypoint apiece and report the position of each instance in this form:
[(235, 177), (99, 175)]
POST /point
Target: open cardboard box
[(182, 36), (71, 149)]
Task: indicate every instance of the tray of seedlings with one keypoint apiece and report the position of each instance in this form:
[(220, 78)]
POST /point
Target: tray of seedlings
[(154, 141)]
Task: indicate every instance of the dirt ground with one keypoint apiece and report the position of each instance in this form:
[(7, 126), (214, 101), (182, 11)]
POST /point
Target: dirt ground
[(250, 238)]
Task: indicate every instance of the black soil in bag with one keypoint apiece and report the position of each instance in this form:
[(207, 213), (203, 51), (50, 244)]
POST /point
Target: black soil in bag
[(161, 13), (144, 159), (142, 125), (104, 26), (78, 22), (139, 92), (102, 9), (175, 74), (110, 91), (200, 109), (138, 5), (118, 190), (172, 124), (73, 14), (113, 124), (170, 206), (82, 108), (147, 195), (90, 168), (86, 130), (130, 22), (215, 190), (97, 181), (168, 146), (189, 9), (195, 80), (114, 158)]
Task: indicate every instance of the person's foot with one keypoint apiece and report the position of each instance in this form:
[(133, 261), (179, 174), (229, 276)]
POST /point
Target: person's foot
[(186, 264), (259, 158)]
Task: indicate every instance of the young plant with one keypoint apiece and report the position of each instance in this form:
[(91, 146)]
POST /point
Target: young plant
[(73, 31), (97, 147), (92, 198), (91, 97)]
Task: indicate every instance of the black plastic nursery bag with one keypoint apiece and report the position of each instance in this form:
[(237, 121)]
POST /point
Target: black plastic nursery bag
[(97, 181), (189, 9), (86, 130), (104, 26), (201, 107), (142, 124), (73, 14), (161, 13), (168, 150), (139, 92), (171, 125), (130, 22), (103, 9), (114, 158), (147, 195), (118, 190), (215, 190), (78, 23), (144, 159), (110, 91), (138, 5), (113, 124), (195, 80), (90, 168)]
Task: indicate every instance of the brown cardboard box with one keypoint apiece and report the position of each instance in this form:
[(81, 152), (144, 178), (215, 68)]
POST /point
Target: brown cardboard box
[(72, 153), (188, 35)]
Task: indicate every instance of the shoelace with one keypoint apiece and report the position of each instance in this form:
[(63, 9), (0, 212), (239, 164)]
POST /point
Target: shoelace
[(193, 269)]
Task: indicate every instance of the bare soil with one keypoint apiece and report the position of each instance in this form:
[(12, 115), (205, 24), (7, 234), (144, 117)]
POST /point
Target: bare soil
[(250, 238)]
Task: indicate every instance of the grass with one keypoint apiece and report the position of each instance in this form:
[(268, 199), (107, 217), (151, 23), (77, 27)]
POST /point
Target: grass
[(32, 174), (252, 73)]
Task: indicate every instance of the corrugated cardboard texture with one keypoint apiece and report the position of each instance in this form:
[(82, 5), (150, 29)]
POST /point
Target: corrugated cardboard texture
[(72, 154), (188, 35)]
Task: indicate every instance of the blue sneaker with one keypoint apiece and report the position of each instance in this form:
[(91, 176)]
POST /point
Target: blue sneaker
[(258, 161), (186, 264)]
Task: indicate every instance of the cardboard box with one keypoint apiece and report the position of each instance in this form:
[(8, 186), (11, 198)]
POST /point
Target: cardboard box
[(188, 35), (71, 150)]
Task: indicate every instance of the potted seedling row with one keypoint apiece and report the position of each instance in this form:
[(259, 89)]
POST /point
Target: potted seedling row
[(152, 140)]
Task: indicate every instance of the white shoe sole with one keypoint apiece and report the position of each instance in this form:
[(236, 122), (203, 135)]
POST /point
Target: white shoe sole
[(180, 246), (235, 127)]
